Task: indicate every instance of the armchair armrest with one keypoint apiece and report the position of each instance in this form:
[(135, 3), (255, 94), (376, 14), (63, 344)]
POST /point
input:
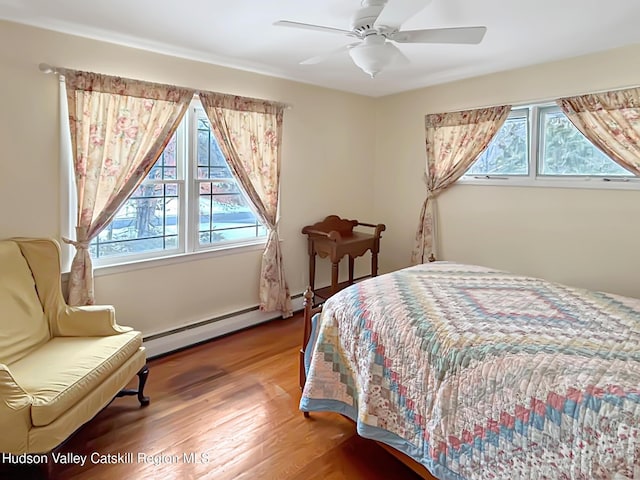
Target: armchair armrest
[(15, 413), (88, 321)]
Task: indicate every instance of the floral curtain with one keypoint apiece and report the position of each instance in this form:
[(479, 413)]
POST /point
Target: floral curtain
[(119, 128), (249, 133), (454, 141), (611, 120)]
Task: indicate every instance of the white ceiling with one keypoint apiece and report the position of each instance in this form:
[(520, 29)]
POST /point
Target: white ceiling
[(240, 34)]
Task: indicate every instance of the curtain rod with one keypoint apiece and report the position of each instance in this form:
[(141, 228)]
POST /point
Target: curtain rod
[(591, 92), (46, 68), (542, 101)]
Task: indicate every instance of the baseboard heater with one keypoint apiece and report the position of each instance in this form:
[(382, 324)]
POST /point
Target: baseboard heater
[(160, 344)]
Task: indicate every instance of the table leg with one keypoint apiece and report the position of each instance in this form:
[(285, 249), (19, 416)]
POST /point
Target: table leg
[(312, 270), (374, 264), (351, 263), (334, 277)]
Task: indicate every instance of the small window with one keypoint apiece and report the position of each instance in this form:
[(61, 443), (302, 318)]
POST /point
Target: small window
[(189, 201), (564, 150), (508, 152), (538, 145)]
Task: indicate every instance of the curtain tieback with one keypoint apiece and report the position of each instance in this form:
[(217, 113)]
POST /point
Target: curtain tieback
[(431, 195), (78, 244)]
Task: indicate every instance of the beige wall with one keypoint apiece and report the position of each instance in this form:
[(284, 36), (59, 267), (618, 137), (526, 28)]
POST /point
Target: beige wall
[(342, 153), (327, 154), (580, 237)]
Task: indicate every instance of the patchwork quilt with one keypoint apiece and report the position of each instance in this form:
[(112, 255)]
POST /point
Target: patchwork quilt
[(482, 374)]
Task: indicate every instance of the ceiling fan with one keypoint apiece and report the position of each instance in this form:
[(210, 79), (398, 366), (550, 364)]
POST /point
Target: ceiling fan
[(377, 24)]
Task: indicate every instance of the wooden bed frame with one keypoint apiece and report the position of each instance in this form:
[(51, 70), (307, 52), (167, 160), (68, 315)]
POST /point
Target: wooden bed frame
[(309, 312)]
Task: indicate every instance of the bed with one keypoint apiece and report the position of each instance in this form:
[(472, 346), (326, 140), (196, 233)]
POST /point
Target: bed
[(470, 373)]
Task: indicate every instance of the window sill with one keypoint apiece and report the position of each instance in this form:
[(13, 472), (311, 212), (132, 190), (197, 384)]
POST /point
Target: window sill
[(114, 269), (554, 182)]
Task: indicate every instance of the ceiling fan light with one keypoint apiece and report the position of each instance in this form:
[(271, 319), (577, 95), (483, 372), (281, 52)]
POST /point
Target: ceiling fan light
[(372, 58)]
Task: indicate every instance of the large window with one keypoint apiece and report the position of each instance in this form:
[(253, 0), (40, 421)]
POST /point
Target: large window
[(539, 145), (188, 202)]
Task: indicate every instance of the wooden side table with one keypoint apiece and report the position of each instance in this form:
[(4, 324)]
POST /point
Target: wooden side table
[(334, 237)]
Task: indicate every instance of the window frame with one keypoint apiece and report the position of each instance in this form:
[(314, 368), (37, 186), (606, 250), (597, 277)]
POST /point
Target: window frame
[(535, 179), (188, 247)]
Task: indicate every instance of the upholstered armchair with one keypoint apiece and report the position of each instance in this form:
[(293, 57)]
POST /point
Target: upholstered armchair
[(59, 365)]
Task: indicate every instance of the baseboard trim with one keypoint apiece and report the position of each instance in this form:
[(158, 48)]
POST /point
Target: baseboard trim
[(167, 342)]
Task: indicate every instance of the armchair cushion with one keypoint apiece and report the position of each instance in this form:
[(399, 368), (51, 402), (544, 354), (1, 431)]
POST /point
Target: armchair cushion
[(24, 326), (61, 372)]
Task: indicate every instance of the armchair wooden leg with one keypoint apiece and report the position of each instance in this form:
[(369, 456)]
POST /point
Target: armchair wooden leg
[(142, 379), (46, 469)]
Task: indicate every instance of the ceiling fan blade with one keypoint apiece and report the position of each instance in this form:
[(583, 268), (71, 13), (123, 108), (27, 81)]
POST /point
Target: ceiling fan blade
[(396, 12), (307, 26), (463, 35), (325, 56), (399, 58)]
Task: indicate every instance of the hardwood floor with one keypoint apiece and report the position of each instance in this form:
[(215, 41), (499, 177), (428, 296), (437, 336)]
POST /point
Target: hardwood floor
[(233, 403)]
